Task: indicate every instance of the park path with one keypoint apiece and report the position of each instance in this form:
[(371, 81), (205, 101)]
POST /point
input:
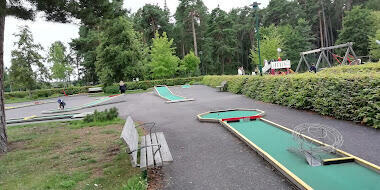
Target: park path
[(207, 156)]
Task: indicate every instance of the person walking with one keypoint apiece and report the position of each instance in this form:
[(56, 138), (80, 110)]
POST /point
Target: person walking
[(122, 87)]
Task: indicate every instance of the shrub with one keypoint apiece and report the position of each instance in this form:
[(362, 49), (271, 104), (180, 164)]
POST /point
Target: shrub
[(113, 89), (349, 93), (106, 115)]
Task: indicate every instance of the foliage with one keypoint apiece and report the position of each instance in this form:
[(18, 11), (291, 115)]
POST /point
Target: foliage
[(296, 39), (151, 19), (282, 12), (44, 93), (151, 83), (375, 47), (163, 61), (121, 54), (358, 27), (136, 183), (106, 115), (351, 93), (61, 69), (222, 40), (271, 40), (190, 64), (235, 83), (24, 58)]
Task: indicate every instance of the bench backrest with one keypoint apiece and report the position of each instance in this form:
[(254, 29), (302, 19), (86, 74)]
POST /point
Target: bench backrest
[(95, 89), (131, 138)]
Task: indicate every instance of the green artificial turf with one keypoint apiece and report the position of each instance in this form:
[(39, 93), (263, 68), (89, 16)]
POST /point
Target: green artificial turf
[(275, 142), (165, 92), (229, 114)]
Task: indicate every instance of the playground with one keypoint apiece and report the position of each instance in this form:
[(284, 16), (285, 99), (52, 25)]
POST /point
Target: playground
[(207, 156)]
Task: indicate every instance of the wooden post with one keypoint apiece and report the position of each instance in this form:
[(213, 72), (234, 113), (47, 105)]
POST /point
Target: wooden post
[(319, 60), (345, 56)]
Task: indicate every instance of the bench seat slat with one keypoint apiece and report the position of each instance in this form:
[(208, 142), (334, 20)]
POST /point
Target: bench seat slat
[(149, 152), (143, 154), (165, 153), (157, 156)]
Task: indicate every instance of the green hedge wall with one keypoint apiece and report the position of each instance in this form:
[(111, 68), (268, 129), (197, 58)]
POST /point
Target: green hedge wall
[(108, 89), (150, 83), (347, 95), (46, 92)]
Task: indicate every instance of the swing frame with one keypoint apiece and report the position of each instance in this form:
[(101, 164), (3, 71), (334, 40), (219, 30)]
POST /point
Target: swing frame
[(323, 52)]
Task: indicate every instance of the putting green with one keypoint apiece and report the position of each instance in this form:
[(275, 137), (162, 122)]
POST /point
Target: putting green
[(229, 114), (164, 92), (275, 142)]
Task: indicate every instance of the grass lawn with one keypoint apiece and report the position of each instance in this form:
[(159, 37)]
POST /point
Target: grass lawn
[(126, 92), (68, 155)]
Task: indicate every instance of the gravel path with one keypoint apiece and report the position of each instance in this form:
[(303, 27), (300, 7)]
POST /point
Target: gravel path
[(207, 156)]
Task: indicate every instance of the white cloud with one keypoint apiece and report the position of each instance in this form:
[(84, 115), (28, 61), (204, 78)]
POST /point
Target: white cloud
[(46, 33)]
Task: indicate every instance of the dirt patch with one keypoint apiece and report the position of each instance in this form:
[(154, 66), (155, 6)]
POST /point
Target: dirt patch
[(155, 179), (19, 145)]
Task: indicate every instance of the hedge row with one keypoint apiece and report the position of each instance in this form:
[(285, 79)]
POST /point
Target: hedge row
[(46, 92), (345, 96), (151, 83), (109, 89)]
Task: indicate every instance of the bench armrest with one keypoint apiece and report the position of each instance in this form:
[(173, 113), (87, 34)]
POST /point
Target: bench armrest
[(159, 147)]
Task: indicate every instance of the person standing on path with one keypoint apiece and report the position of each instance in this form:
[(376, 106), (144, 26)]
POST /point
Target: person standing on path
[(122, 87)]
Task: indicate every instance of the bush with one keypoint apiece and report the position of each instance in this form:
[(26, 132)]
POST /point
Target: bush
[(106, 115), (113, 89), (46, 92), (234, 83), (343, 95), (151, 83)]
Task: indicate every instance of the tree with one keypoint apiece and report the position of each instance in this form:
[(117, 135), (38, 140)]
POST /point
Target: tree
[(59, 11), (358, 27), (375, 47), (295, 40), (190, 64), (282, 12), (271, 40), (191, 24), (24, 57), (223, 41), (92, 15), (61, 68), (152, 18), (163, 63), (121, 54)]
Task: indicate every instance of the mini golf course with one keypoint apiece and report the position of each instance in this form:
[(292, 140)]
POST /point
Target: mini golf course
[(100, 102), (272, 142), (164, 92)]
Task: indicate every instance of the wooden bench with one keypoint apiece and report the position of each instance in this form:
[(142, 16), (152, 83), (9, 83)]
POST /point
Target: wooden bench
[(154, 150), (95, 89), (223, 86)]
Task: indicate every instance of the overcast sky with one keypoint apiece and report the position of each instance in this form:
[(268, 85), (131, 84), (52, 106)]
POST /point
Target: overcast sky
[(46, 33)]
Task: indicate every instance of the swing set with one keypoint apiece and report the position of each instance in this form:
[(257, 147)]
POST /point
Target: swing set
[(324, 51)]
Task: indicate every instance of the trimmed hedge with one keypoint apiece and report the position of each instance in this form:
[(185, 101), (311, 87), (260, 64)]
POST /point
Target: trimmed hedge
[(151, 83), (349, 96), (46, 92), (108, 89)]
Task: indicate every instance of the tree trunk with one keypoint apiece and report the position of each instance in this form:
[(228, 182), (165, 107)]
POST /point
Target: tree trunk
[(320, 29), (3, 133), (194, 34)]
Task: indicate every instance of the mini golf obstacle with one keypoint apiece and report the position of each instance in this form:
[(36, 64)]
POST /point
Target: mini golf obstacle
[(164, 92), (35, 118), (339, 169), (103, 101)]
